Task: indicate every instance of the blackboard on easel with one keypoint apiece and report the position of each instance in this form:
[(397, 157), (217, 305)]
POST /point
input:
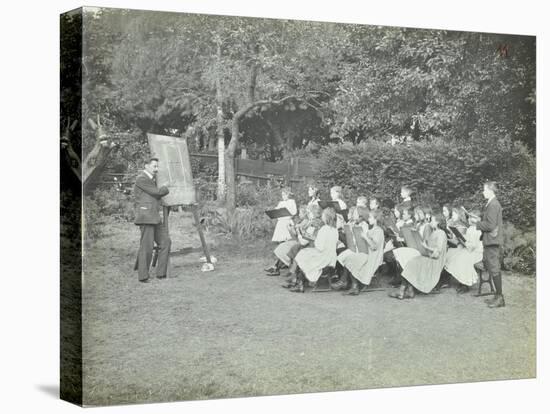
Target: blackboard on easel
[(174, 169), (175, 173)]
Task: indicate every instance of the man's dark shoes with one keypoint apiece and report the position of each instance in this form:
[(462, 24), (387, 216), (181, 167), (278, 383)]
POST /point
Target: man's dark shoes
[(161, 277), (498, 302), (145, 280)]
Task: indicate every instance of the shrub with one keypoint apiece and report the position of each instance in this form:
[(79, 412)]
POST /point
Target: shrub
[(205, 188), (444, 171), (519, 250), (113, 203), (204, 169), (92, 220), (103, 203), (243, 223), (266, 195)]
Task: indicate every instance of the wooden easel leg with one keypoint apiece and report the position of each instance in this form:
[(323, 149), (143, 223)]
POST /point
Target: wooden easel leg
[(201, 235), (165, 214)]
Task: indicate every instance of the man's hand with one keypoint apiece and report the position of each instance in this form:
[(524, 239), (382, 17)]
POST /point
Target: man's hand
[(164, 190)]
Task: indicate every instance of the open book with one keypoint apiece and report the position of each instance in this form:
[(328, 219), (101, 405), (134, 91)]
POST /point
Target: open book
[(458, 235), (414, 239), (278, 213), (468, 214), (390, 231), (336, 206), (354, 239), (449, 233)]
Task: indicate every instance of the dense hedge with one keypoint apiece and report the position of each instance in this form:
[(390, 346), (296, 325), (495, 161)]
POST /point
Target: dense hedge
[(438, 171)]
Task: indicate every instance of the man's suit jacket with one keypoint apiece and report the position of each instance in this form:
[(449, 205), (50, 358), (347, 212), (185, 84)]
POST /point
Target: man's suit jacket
[(147, 200), (491, 224)]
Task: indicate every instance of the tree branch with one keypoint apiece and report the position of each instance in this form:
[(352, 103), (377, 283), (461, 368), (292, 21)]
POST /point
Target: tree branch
[(71, 157), (95, 162), (319, 92)]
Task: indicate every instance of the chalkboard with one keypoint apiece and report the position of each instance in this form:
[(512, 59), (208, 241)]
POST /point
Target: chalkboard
[(174, 169)]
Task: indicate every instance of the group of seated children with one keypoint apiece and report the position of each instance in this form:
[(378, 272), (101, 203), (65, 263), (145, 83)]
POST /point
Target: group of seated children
[(317, 244)]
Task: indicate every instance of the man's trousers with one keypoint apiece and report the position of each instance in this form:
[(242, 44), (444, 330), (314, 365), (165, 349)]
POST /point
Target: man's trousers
[(153, 233)]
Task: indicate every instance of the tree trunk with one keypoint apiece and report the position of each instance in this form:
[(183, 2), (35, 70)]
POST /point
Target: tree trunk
[(212, 139), (230, 173), (72, 159), (290, 137), (278, 139), (222, 187), (94, 165), (231, 197), (253, 76)]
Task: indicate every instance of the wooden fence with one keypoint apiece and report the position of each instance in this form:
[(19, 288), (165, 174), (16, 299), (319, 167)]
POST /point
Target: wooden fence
[(291, 171)]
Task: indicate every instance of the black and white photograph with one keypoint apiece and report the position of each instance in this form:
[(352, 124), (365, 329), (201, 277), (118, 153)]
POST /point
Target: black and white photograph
[(274, 206)]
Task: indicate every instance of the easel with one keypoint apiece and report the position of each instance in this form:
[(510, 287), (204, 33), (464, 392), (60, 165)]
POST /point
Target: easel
[(175, 172), (194, 210), (165, 215)]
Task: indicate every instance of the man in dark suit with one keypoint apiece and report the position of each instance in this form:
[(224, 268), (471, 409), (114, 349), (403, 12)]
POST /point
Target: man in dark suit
[(493, 239), (147, 199)]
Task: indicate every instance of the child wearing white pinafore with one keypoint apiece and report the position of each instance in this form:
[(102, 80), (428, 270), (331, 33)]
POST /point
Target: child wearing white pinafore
[(282, 232), (460, 261)]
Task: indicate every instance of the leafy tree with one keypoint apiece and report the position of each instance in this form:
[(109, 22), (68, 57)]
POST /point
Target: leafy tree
[(273, 85)]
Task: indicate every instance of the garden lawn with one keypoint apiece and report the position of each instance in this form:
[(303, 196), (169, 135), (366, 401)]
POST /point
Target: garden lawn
[(235, 332)]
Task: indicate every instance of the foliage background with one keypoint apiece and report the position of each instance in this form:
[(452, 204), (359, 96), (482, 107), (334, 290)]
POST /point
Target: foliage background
[(459, 108)]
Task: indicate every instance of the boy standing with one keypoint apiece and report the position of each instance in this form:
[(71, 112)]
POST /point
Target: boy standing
[(493, 239)]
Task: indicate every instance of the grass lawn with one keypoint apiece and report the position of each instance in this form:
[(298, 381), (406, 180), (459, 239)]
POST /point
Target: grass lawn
[(235, 332)]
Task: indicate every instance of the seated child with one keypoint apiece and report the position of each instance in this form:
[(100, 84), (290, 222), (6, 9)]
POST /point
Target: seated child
[(404, 254), (313, 194), (359, 215), (281, 232), (362, 266), (311, 261), (451, 239), (458, 220), (423, 272), (393, 241), (359, 209), (282, 228), (305, 233), (422, 222), (406, 202), (336, 195), (460, 261)]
